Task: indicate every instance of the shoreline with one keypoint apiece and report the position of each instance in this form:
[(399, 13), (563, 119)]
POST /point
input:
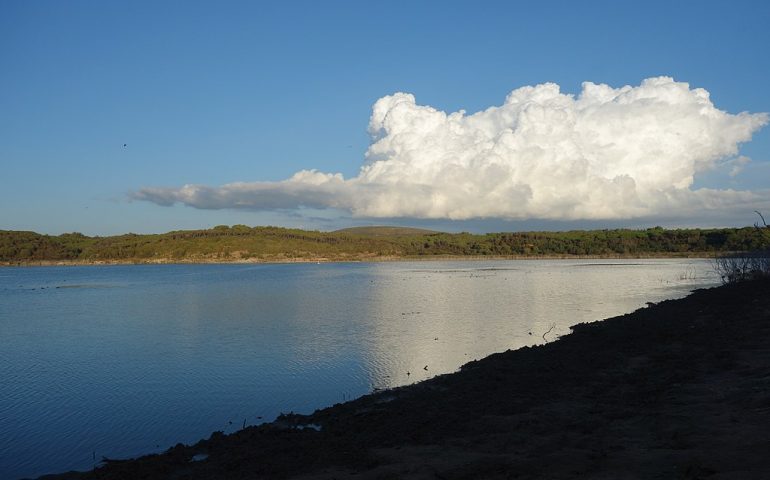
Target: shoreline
[(675, 390), (352, 259)]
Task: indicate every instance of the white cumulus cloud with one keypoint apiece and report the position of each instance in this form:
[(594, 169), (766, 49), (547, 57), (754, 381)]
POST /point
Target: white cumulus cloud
[(609, 153)]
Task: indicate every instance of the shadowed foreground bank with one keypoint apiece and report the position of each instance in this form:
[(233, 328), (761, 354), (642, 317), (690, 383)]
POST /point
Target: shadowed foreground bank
[(677, 390)]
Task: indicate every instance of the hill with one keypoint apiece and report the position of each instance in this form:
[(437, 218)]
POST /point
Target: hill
[(241, 243)]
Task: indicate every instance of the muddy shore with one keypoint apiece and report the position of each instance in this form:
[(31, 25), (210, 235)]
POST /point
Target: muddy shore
[(678, 390)]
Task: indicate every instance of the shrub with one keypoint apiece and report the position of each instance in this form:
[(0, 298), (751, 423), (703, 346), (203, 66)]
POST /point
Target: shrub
[(741, 266)]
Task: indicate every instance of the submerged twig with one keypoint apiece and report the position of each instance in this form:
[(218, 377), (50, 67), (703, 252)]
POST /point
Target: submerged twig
[(553, 325)]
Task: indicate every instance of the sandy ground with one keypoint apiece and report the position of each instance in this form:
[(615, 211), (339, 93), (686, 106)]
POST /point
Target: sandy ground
[(678, 390)]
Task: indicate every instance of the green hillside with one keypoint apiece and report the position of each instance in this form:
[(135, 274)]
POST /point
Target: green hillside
[(242, 243)]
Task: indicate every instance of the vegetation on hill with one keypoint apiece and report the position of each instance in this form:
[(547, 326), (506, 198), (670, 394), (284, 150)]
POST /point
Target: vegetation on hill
[(242, 243)]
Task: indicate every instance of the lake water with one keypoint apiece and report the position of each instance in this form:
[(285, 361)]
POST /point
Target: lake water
[(118, 361)]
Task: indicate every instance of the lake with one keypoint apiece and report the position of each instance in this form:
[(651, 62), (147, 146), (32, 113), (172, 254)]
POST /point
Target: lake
[(118, 361)]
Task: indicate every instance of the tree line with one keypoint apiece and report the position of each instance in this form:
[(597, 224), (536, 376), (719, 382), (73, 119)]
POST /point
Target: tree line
[(225, 243)]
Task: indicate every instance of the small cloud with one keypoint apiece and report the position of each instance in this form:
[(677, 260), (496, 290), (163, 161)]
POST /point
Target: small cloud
[(609, 153), (738, 164)]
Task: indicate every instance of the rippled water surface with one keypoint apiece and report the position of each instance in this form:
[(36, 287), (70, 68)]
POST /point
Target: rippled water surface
[(123, 360)]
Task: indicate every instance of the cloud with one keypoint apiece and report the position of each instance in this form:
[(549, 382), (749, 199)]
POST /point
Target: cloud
[(609, 153), (738, 164)]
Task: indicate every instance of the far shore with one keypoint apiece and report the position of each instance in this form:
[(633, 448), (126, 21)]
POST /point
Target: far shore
[(346, 259)]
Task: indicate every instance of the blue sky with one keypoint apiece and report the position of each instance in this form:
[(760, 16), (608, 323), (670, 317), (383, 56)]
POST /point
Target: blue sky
[(211, 93)]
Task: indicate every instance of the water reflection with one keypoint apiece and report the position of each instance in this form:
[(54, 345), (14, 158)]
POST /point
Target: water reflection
[(171, 353), (446, 315)]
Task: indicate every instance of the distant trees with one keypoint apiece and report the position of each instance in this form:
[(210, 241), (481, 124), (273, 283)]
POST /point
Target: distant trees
[(241, 241), (31, 246)]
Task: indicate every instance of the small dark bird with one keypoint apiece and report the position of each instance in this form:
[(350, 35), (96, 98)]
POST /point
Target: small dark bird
[(435, 338), (425, 368), (408, 373), (125, 145), (530, 333)]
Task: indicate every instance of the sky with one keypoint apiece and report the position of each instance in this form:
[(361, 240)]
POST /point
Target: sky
[(147, 117)]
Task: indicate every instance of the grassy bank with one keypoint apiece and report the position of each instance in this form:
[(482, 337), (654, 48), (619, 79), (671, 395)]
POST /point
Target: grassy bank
[(676, 390)]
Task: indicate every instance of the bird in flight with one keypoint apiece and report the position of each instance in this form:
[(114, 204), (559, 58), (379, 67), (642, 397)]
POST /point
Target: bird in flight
[(125, 145)]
